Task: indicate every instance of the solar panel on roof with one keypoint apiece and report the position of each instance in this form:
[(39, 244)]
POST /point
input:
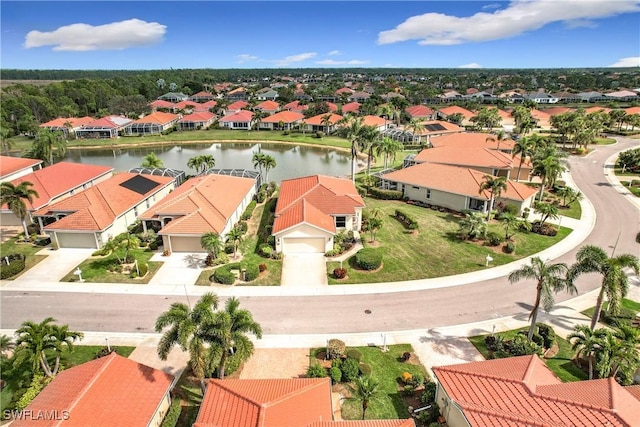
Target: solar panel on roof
[(139, 184), (434, 127)]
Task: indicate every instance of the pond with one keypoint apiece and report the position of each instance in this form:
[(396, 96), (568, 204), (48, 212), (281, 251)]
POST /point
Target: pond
[(292, 160)]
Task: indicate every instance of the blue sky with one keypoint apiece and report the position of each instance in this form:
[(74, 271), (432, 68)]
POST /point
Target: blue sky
[(307, 34)]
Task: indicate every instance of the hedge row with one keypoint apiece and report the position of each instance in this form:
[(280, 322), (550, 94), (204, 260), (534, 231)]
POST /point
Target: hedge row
[(173, 414), (16, 265), (382, 194), (249, 210), (225, 276), (406, 220), (369, 258)]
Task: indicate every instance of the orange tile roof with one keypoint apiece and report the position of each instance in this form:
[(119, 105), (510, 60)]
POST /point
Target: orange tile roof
[(62, 122), (558, 110), (283, 116), (344, 90), (268, 105), (203, 204), (455, 180), (366, 423), (303, 212), (540, 115), (471, 139), (186, 104), (523, 391), (198, 116), (332, 107), (448, 128), (319, 119), (503, 114), (419, 111), (351, 107), (97, 207), (453, 109), (293, 402), (469, 156), (374, 121), (329, 195), (238, 105), (295, 105), (112, 390), (209, 104), (202, 94), (239, 116), (159, 117), (161, 103), (596, 109), (60, 178), (10, 165), (632, 110)]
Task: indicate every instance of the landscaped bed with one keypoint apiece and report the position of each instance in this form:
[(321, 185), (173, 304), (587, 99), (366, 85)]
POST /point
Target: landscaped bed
[(628, 313), (434, 250), (29, 251), (98, 269)]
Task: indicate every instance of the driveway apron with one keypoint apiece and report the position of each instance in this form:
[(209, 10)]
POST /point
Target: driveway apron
[(56, 265), (178, 268), (304, 270)]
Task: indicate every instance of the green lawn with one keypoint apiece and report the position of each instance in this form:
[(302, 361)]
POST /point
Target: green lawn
[(561, 364), (27, 249), (387, 368), (95, 269), (434, 251), (628, 312), (574, 211)]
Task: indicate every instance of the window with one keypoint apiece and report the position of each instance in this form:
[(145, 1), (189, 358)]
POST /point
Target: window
[(341, 221), (415, 188), (135, 211), (428, 195)]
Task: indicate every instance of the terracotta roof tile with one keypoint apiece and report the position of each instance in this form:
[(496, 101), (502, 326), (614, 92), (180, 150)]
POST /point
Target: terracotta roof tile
[(283, 116), (632, 110), (161, 103), (318, 120), (186, 104), (596, 109), (240, 116), (471, 139), (112, 390), (474, 156), (419, 111), (366, 423), (351, 107), (238, 105), (303, 212), (268, 105), (453, 109), (374, 121), (199, 116), (558, 110), (159, 118), (62, 122), (10, 165)]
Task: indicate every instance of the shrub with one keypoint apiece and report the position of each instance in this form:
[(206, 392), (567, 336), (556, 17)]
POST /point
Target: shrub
[(101, 252), (369, 258), (224, 275), (418, 379), (143, 267), (37, 384), (543, 229), (252, 271), (171, 419), (242, 226), (406, 377), (262, 267), (265, 250), (350, 369), (249, 210), (520, 346), (315, 370), (547, 333), (429, 394), (510, 247), (339, 273), (319, 134), (153, 246), (330, 253), (261, 196), (408, 389), (406, 220), (335, 348), (336, 374), (382, 194), (510, 209), (405, 356), (494, 239), (365, 369), (354, 353), (16, 265)]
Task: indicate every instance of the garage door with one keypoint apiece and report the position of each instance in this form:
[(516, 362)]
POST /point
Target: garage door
[(186, 244), (8, 218), (76, 240), (303, 245)]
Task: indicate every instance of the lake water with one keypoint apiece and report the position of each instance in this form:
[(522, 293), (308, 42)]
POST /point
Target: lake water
[(292, 160)]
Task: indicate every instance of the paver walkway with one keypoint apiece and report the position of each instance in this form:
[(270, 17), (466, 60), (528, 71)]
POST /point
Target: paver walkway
[(276, 363)]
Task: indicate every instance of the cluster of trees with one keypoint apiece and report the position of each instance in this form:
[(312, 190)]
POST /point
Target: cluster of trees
[(263, 162), (201, 163)]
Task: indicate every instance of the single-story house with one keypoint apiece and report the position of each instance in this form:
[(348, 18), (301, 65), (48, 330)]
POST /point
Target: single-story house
[(186, 105), (344, 90), (15, 167), (542, 98), (237, 94), (152, 124), (111, 390), (198, 120), (66, 125), (205, 106), (57, 182), (287, 402), (445, 112), (421, 112), (88, 219), (312, 209), (317, 123), (484, 159), (234, 107), (242, 119), (202, 96), (104, 128), (351, 107), (209, 203), (173, 97), (284, 120), (592, 96), (267, 94), (431, 129), (332, 107), (453, 187), (295, 106), (160, 104), (566, 97), (473, 140), (269, 107), (375, 121), (523, 391), (359, 97)]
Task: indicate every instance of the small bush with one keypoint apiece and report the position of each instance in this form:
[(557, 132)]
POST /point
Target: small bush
[(336, 374), (252, 271), (520, 346), (354, 353), (547, 333), (262, 267), (405, 356), (143, 267), (418, 380), (171, 419), (382, 194), (224, 275), (261, 196), (350, 369), (406, 377), (406, 220), (331, 253), (335, 348), (494, 239), (408, 389), (249, 210), (543, 229), (37, 384), (510, 247), (319, 134), (429, 394), (229, 248), (16, 265), (315, 370), (339, 273), (369, 258), (153, 246), (242, 226), (510, 209), (265, 250), (365, 369)]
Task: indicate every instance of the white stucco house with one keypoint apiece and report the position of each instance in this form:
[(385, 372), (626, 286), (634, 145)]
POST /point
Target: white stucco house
[(311, 210), (15, 167)]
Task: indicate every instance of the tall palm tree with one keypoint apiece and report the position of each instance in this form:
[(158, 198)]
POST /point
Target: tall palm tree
[(5, 142), (523, 147), (14, 196), (211, 243), (365, 390), (353, 125), (511, 222), (326, 121), (227, 335), (48, 145), (615, 283), (416, 127), (195, 163), (268, 163), (367, 141), (584, 342), (495, 185), (151, 160), (546, 211), (550, 279), (208, 162), (548, 164), (186, 329), (258, 161), (388, 148), (235, 236)]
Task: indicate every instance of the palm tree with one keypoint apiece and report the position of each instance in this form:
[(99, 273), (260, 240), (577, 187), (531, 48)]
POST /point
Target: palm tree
[(152, 161), (583, 341), (326, 121), (550, 279), (186, 329), (353, 125), (524, 148), (388, 147), (6, 346), (615, 283), (373, 225), (4, 139), (548, 164), (473, 225), (48, 145), (416, 127), (546, 211), (227, 335), (235, 236), (365, 390), (258, 161), (208, 162), (211, 243), (512, 222), (14, 197), (268, 163), (495, 185), (367, 141), (195, 163)]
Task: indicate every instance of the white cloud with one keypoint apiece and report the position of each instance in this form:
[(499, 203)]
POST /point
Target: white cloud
[(334, 62), (294, 58), (334, 52), (85, 37), (631, 61), (520, 16), (246, 57), (491, 6), (472, 65)]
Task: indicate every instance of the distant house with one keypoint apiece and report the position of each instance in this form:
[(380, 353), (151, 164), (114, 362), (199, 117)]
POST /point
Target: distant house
[(445, 112), (67, 125), (359, 97), (473, 140), (202, 97), (421, 112), (542, 98), (318, 124), (623, 96), (205, 106), (234, 107), (55, 183), (591, 97), (351, 107), (333, 108), (15, 167), (160, 104), (88, 219), (522, 391), (284, 120), (269, 107), (173, 97), (104, 128), (567, 97), (186, 105), (152, 124), (198, 120), (375, 121), (390, 95), (209, 203), (295, 106), (453, 187), (431, 129), (242, 119), (267, 94), (238, 94), (111, 390), (311, 210), (344, 90)]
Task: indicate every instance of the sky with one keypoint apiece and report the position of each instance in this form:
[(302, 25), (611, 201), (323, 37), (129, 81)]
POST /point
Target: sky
[(311, 34)]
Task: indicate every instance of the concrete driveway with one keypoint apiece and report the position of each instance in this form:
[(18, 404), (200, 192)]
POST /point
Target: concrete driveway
[(178, 268), (56, 265), (304, 270)]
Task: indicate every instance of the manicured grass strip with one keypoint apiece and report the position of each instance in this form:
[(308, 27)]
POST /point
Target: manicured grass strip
[(628, 312), (561, 364), (84, 353), (574, 211), (27, 249), (95, 269)]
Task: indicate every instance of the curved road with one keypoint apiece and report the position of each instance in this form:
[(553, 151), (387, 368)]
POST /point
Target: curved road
[(357, 313)]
